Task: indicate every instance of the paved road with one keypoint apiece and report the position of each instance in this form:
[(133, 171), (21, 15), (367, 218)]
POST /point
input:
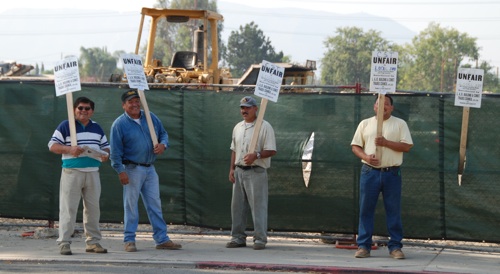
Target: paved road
[(207, 254), (80, 268)]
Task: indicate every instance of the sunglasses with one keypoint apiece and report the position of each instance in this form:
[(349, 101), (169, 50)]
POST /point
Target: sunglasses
[(82, 108)]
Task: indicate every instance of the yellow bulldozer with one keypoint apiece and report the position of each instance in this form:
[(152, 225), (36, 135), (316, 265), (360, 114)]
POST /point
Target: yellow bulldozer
[(193, 66), (190, 66)]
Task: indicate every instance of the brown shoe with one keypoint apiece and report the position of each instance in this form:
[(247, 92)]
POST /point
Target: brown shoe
[(362, 253), (169, 245), (397, 254), (96, 248), (130, 247)]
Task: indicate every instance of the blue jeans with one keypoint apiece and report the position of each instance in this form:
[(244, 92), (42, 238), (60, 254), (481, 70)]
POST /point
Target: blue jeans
[(143, 181), (372, 182)]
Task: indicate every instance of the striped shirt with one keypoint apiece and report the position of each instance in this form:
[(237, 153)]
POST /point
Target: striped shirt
[(91, 135)]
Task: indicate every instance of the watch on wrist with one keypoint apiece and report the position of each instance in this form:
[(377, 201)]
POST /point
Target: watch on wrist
[(258, 155)]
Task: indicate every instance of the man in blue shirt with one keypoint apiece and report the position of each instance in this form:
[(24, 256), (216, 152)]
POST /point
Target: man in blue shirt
[(133, 156), (80, 176)]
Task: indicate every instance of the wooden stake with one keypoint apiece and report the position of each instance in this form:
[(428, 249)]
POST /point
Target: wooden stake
[(380, 122), (144, 103), (71, 118), (463, 143), (258, 123)]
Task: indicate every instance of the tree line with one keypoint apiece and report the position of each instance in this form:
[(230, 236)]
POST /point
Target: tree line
[(429, 63)]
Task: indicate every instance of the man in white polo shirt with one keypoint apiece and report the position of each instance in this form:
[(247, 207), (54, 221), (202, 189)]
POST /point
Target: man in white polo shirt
[(248, 173)]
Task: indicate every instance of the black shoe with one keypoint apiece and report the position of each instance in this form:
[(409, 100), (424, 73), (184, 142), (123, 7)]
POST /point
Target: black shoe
[(235, 244), (259, 246)]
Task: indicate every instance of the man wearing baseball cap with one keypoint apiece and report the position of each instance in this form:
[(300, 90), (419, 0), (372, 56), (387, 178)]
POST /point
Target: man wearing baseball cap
[(248, 173), (132, 157), (127, 95)]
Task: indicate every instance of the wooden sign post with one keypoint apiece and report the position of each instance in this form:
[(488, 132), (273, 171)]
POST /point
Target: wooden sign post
[(380, 122), (151, 127), (463, 143), (134, 70), (66, 81), (71, 119), (468, 93), (258, 124)]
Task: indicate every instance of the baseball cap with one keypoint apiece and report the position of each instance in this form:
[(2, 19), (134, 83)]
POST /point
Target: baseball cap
[(248, 101), (127, 95)]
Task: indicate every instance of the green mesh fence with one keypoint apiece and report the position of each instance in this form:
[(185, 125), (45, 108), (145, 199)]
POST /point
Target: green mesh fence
[(194, 172)]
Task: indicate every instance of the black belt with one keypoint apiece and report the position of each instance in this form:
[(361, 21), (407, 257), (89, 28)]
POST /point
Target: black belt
[(248, 167), (128, 162), (383, 169)]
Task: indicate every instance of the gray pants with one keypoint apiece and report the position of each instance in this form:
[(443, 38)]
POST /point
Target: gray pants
[(74, 186), (250, 193)]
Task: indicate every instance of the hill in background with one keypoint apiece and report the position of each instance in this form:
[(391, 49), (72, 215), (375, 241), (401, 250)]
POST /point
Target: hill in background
[(34, 36)]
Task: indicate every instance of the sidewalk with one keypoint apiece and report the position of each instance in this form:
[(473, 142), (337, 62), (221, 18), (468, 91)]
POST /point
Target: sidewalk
[(281, 255)]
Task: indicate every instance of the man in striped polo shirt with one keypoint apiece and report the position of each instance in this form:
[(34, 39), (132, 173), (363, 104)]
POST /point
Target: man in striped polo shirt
[(80, 176)]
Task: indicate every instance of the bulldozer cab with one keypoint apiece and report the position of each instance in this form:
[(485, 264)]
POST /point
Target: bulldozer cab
[(184, 59), (186, 66)]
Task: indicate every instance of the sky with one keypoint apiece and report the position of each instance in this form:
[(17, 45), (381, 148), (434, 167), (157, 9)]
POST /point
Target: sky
[(477, 18)]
